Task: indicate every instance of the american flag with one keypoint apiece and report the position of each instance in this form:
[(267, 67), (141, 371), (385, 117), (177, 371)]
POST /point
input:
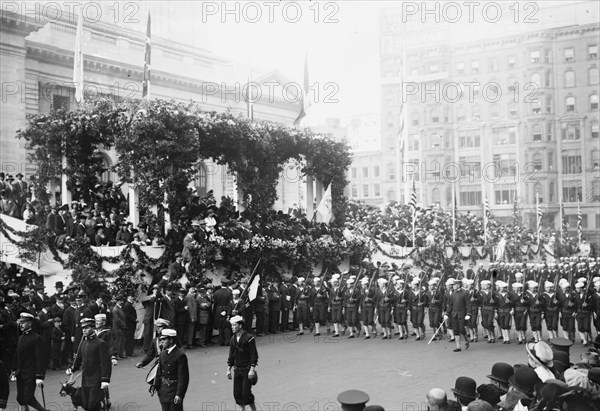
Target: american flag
[(146, 82), (413, 208), (539, 213), (515, 210), (579, 224), (486, 217), (564, 227), (305, 102)]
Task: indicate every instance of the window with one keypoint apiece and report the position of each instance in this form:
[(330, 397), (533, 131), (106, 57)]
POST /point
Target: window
[(434, 68), (551, 192), (460, 68), (536, 78), (536, 107), (597, 221), (414, 118), (570, 131), (436, 140), (536, 131), (594, 128), (200, 180), (593, 51), (537, 162), (547, 78), (475, 66), (505, 164), (573, 219), (593, 76), (494, 66), (570, 54), (550, 161), (571, 162), (594, 102), (107, 175), (596, 195), (447, 139), (391, 172), (535, 56), (60, 102), (435, 196), (470, 167), (365, 190), (595, 160), (512, 110), (354, 191), (435, 115), (365, 172), (476, 112), (549, 127), (461, 114), (469, 139), (571, 191), (413, 142), (504, 135), (413, 167), (548, 104), (546, 55), (377, 190), (538, 193), (569, 78), (476, 89), (504, 194), (470, 196), (512, 62), (570, 103), (494, 112), (354, 173), (376, 171)]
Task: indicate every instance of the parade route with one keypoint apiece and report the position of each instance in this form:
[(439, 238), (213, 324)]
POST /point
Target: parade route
[(307, 373)]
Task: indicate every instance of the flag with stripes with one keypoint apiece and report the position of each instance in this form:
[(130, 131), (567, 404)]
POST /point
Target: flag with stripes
[(147, 60), (78, 59), (539, 214), (454, 212), (486, 217), (305, 101), (564, 223), (515, 210), (413, 200), (579, 224)]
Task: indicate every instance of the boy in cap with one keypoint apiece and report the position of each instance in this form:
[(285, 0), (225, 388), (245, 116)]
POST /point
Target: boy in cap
[(155, 346), (475, 300), (336, 303), (535, 310), (566, 300), (320, 299), (402, 301), (242, 360), (368, 303), (28, 364), (505, 306), (418, 303), (173, 375)]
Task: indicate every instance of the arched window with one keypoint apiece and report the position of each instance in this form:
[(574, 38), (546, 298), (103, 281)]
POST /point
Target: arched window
[(570, 103), (107, 175), (414, 118), (569, 78), (536, 132), (200, 180), (476, 113), (536, 78), (537, 161), (435, 196), (593, 75), (594, 102)]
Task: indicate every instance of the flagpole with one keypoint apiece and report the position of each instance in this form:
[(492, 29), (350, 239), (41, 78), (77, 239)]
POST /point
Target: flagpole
[(562, 221), (538, 217), (579, 224), (486, 208), (453, 213), (403, 140)]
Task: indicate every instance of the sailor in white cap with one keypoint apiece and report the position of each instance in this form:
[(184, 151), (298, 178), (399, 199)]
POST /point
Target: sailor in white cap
[(566, 301), (28, 367), (417, 313), (336, 303), (303, 305), (505, 306), (320, 305), (534, 304), (351, 303), (368, 304), (173, 375), (488, 303), (103, 332), (550, 309), (519, 310), (401, 302), (242, 362), (384, 307), (449, 291), (584, 307), (155, 346), (475, 300)]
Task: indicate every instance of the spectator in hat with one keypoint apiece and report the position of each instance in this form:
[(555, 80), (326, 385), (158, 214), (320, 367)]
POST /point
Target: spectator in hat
[(119, 327), (100, 239), (189, 245), (222, 311), (123, 237), (204, 303), (480, 405), (7, 206), (181, 313), (524, 380), (174, 238), (155, 346), (176, 268), (58, 343), (540, 359), (131, 323), (465, 390)]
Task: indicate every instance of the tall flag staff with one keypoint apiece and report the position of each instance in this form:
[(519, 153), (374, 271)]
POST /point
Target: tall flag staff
[(564, 223), (539, 215), (413, 207), (579, 224), (454, 212), (486, 218), (147, 61)]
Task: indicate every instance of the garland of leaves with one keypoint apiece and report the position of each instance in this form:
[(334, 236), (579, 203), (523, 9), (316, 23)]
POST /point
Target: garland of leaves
[(34, 242)]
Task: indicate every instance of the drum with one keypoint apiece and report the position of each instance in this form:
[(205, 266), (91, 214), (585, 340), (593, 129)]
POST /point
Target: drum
[(152, 373)]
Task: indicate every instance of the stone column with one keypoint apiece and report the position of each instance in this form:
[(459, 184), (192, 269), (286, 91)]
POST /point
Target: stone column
[(318, 191), (134, 205), (309, 197)]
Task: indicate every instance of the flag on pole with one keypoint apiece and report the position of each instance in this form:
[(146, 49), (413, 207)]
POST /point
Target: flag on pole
[(253, 288), (579, 224), (325, 208), (564, 226), (486, 217), (78, 59), (413, 208), (305, 101), (515, 210), (539, 215), (454, 212), (147, 60)]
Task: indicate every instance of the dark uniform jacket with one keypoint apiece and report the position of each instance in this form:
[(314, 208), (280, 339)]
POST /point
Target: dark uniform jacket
[(242, 353), (28, 361), (94, 360), (459, 304), (173, 376)]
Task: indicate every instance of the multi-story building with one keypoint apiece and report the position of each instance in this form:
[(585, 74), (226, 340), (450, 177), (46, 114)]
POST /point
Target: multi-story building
[(508, 117), (37, 42)]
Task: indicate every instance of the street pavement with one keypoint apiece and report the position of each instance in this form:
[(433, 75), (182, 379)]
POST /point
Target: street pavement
[(307, 373)]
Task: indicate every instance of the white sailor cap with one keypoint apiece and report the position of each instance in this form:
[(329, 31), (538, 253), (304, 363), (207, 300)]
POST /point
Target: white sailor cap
[(301, 279), (381, 281), (469, 282), (162, 322), (168, 332), (99, 317), (236, 319), (432, 282), (501, 284), (26, 317), (563, 283), (519, 275), (582, 280), (517, 285), (579, 285), (335, 277), (364, 280), (548, 284), (395, 278), (486, 282), (532, 284), (450, 281), (350, 281), (596, 280), (235, 292), (317, 279)]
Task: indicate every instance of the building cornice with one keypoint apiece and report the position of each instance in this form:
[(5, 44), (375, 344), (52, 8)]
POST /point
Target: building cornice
[(18, 24)]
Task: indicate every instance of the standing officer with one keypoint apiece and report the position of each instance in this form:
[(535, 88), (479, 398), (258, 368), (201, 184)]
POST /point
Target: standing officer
[(173, 376), (28, 366), (242, 360), (94, 360), (459, 309)]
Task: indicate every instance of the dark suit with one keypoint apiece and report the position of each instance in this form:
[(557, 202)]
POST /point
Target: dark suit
[(29, 366), (94, 360), (181, 317), (458, 306), (131, 322), (222, 302), (172, 378), (119, 328)]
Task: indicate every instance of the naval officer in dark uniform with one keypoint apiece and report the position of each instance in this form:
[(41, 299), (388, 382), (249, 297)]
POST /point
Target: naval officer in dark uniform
[(94, 360), (28, 365), (173, 376)]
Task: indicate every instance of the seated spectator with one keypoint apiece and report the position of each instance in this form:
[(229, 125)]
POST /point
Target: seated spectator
[(123, 237), (524, 380), (29, 214)]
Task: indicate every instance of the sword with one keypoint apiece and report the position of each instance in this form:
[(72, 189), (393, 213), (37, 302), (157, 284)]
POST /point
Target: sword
[(436, 332), (43, 396)]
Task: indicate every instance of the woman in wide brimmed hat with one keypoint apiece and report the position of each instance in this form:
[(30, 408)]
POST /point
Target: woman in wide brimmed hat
[(540, 359)]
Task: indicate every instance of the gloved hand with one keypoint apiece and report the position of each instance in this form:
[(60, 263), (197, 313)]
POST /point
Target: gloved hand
[(103, 385), (114, 361), (39, 382), (446, 317), (467, 317), (69, 371)]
